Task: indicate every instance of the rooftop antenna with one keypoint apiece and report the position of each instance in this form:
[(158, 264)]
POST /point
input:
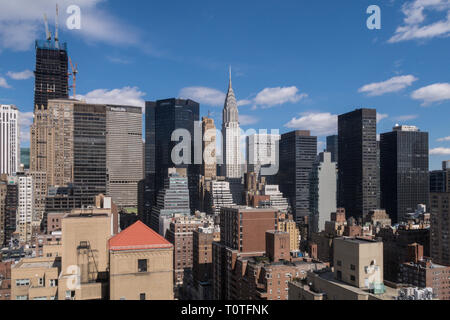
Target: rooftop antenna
[(74, 77), (47, 31), (230, 76), (56, 27)]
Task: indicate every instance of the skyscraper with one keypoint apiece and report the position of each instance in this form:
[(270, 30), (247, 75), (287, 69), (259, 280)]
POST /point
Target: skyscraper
[(323, 191), (298, 151), (209, 166), (124, 153), (440, 228), (231, 136), (358, 170), (162, 118), (261, 151), (9, 139), (404, 171), (51, 75), (332, 147)]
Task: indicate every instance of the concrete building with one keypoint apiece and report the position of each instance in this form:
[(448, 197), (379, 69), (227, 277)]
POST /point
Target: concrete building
[(262, 151), (440, 228), (5, 280), (323, 191), (217, 196), (85, 253), (140, 265), (276, 199), (3, 194), (231, 135), (358, 177), (35, 279), (173, 199), (24, 216), (209, 166), (9, 139), (124, 154), (357, 275)]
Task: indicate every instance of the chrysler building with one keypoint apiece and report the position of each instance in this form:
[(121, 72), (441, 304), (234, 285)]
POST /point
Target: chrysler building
[(231, 136)]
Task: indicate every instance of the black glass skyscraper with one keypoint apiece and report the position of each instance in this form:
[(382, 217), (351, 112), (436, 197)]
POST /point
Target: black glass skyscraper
[(332, 147), (51, 74), (358, 179), (162, 118), (404, 171), (298, 151)]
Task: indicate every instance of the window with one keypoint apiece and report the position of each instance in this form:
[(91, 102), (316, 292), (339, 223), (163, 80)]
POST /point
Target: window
[(53, 282), (22, 282), (339, 263), (352, 278), (352, 267), (21, 297), (339, 275), (142, 265), (41, 282), (142, 296)]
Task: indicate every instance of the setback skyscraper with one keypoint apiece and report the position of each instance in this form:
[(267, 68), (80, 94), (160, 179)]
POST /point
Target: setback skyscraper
[(358, 169), (404, 171), (231, 135)]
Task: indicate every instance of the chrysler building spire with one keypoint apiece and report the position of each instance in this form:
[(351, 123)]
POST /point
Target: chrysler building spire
[(230, 110)]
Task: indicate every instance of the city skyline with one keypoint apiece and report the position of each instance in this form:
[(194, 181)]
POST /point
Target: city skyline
[(291, 84)]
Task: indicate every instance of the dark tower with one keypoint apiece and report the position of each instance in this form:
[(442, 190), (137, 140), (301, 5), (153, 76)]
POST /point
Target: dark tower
[(404, 171), (298, 151), (51, 74), (358, 190), (162, 118)]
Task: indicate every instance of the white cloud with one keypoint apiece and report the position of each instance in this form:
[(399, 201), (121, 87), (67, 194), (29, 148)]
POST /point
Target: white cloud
[(443, 139), (413, 27), (433, 93), (130, 96), (406, 117), (23, 75), (320, 124), (270, 97), (381, 116), (25, 122), (203, 95), (21, 23), (392, 85), (440, 151), (245, 120), (4, 83)]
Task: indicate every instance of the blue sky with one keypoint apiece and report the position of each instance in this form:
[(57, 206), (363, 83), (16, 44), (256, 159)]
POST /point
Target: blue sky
[(296, 64)]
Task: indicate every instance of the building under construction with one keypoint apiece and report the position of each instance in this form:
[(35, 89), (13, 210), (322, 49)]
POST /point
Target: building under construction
[(51, 75)]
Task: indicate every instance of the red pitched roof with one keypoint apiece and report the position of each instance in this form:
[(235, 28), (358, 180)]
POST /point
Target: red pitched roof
[(138, 237)]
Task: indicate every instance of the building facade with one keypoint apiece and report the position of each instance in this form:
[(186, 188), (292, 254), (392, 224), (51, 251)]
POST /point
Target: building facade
[(124, 158), (358, 190), (231, 135), (323, 191), (9, 139), (298, 151), (440, 228), (404, 175)]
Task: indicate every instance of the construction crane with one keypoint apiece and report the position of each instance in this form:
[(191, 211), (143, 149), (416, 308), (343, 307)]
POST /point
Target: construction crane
[(74, 77), (47, 31), (56, 27)]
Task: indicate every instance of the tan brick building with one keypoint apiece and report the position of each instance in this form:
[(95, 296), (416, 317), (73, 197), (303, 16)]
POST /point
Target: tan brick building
[(140, 265)]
